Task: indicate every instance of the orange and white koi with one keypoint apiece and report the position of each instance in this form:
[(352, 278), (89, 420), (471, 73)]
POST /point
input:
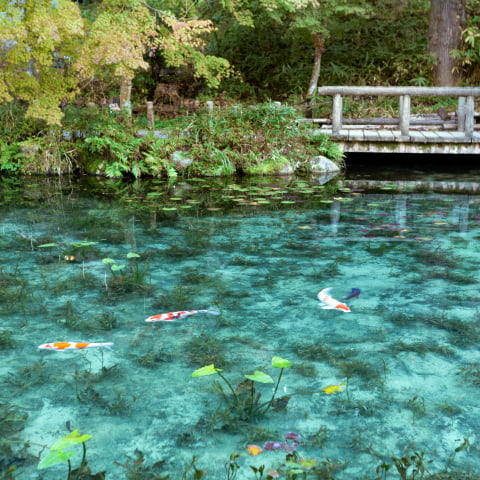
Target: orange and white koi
[(60, 346), (172, 316), (329, 303)]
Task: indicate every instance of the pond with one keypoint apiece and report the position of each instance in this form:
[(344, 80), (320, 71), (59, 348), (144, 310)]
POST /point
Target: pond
[(391, 384)]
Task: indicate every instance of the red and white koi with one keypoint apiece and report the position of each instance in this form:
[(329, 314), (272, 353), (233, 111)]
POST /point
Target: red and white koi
[(329, 303), (172, 316), (60, 346)]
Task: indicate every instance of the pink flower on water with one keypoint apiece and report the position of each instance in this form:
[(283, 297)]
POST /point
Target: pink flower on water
[(292, 436), (289, 447), (270, 446)]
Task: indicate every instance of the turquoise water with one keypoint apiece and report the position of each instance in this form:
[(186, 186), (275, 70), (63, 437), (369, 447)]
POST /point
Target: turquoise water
[(403, 365)]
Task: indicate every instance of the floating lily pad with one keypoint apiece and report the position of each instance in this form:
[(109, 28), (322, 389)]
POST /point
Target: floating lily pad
[(207, 370), (279, 362), (260, 377), (55, 457)]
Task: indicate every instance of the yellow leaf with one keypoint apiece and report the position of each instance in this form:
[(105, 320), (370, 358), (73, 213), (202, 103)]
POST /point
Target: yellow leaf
[(333, 389)]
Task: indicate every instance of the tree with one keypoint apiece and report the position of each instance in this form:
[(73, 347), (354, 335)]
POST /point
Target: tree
[(38, 41), (118, 38), (317, 18), (447, 20), (48, 49), (306, 22), (468, 57)]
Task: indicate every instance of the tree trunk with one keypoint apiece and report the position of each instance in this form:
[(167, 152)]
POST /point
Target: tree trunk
[(447, 19), (319, 42)]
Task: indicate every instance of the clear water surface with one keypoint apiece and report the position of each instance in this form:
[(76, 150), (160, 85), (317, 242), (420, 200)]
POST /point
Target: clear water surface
[(403, 366)]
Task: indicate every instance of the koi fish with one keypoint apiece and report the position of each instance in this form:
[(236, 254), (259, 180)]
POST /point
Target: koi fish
[(172, 316), (60, 346), (353, 294), (329, 303)]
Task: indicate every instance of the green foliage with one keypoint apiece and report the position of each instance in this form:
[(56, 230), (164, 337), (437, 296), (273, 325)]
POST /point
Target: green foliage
[(245, 400), (469, 55), (274, 59), (258, 139), (59, 454), (40, 37), (109, 145), (129, 277)]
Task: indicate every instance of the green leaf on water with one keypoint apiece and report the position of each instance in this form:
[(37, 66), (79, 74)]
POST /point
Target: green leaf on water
[(115, 268), (73, 438), (133, 255), (260, 377), (279, 362), (108, 260), (54, 457), (83, 244), (45, 245), (207, 370)]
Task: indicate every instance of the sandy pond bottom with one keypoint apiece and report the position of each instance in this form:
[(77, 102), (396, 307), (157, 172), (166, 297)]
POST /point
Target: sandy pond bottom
[(405, 359)]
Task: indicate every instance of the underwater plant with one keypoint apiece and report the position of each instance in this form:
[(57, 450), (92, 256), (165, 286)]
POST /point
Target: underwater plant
[(204, 348), (246, 400), (139, 470), (58, 454), (127, 278), (295, 465)]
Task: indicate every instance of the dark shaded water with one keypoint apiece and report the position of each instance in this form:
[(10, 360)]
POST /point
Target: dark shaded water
[(89, 261), (413, 167)]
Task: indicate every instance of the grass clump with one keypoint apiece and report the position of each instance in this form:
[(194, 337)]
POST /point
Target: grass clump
[(258, 140)]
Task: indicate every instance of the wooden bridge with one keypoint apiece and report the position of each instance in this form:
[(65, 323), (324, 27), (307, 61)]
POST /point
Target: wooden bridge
[(442, 132)]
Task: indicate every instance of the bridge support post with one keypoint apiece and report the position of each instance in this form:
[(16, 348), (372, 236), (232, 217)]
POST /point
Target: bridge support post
[(337, 114), (405, 115), (469, 116)]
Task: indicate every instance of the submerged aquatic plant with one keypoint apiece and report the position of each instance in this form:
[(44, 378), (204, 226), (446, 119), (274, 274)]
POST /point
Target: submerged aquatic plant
[(58, 454), (139, 470), (295, 465), (246, 400), (127, 278)]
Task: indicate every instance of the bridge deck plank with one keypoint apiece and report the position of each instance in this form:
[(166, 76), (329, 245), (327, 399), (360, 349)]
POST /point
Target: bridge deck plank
[(354, 135), (389, 135)]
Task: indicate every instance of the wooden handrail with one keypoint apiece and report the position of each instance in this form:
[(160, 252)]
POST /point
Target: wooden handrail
[(466, 100)]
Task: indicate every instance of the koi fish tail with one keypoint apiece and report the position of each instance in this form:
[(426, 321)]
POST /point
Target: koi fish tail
[(108, 345), (211, 312)]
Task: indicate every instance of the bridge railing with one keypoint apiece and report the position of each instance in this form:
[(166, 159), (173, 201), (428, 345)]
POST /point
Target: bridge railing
[(465, 112)]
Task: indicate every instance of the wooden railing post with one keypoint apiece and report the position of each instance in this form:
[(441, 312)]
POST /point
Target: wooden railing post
[(150, 115), (405, 115), (461, 114), (337, 114), (469, 116)]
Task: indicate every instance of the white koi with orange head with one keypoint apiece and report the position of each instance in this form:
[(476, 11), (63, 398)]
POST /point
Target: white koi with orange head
[(172, 316), (61, 346), (329, 303)]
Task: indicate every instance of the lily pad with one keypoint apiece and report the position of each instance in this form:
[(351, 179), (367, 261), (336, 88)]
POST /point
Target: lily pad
[(55, 457), (108, 260), (115, 268), (260, 377), (279, 362), (73, 438), (207, 370)]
